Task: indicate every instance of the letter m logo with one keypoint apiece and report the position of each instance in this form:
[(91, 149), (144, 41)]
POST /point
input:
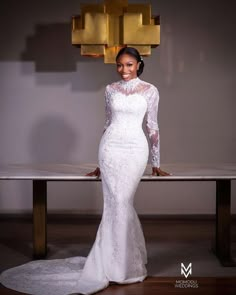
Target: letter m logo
[(186, 271)]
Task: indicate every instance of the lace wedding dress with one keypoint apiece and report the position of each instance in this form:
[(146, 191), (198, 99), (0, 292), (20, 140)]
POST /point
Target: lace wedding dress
[(118, 253)]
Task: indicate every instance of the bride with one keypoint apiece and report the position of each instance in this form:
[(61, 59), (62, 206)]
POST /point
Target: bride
[(118, 253)]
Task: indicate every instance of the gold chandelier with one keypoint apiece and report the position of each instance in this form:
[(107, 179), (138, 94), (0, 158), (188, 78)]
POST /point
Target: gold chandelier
[(102, 29)]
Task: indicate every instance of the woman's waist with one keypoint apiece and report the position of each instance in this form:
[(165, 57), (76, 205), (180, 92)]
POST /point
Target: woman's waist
[(125, 137), (126, 128)]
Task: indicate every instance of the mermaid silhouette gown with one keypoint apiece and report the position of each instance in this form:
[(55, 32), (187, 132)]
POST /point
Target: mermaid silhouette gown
[(118, 253)]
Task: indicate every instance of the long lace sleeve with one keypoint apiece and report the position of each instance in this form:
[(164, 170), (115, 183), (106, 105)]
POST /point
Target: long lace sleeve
[(107, 109), (152, 126)]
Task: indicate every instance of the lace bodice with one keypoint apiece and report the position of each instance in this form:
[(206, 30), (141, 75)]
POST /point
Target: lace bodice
[(151, 95)]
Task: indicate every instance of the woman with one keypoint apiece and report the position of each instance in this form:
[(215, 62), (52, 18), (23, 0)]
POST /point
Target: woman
[(119, 252)]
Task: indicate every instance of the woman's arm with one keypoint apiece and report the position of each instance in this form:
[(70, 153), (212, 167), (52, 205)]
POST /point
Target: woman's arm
[(153, 131), (97, 172)]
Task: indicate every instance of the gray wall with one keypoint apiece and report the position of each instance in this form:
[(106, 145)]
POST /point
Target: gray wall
[(52, 105)]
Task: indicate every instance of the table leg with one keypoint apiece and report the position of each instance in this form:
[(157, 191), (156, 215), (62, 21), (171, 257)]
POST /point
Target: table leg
[(222, 227), (39, 218)]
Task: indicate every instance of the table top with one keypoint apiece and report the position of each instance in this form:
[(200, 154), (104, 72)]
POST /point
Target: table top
[(71, 172)]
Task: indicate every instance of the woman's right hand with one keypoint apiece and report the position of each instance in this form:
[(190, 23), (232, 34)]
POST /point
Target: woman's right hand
[(96, 172)]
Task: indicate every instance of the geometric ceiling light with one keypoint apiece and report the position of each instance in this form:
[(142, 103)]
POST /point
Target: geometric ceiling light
[(102, 29)]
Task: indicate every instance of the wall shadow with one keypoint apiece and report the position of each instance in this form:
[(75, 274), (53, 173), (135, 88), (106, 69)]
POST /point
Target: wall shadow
[(52, 53), (51, 50), (52, 140)]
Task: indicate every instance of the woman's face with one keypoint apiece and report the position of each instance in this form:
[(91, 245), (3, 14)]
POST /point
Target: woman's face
[(127, 67)]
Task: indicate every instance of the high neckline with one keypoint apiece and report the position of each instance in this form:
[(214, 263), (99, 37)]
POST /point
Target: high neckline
[(130, 83)]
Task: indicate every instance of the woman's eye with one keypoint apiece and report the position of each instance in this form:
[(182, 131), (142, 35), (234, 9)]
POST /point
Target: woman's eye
[(129, 65)]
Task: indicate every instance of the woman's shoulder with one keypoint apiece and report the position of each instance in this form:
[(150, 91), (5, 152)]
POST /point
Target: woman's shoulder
[(111, 88), (149, 85), (149, 89), (112, 85)]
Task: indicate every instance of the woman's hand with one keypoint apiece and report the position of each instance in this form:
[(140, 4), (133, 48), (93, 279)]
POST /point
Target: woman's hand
[(96, 172), (158, 172)]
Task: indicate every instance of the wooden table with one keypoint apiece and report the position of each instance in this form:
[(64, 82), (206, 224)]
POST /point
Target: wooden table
[(221, 174)]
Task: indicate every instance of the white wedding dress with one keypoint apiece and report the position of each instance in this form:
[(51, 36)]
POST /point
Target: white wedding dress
[(118, 253)]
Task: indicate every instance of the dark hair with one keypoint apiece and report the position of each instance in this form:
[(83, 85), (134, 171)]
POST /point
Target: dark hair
[(133, 52)]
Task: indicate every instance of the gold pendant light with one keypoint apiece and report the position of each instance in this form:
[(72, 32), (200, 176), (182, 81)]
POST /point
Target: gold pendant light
[(102, 29)]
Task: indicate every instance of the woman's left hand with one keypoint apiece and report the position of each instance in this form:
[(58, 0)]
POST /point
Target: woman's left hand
[(158, 172)]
